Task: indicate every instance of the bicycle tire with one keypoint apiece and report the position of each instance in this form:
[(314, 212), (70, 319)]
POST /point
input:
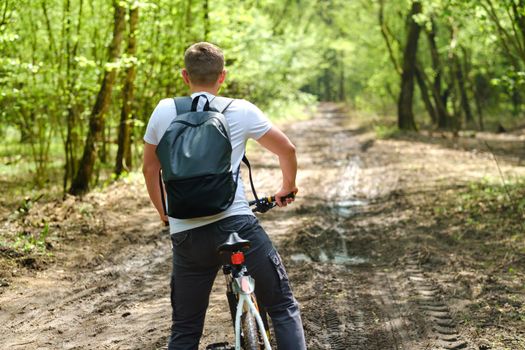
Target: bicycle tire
[(249, 330)]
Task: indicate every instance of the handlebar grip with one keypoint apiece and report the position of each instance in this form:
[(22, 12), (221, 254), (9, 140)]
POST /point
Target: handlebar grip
[(269, 201), (289, 195)]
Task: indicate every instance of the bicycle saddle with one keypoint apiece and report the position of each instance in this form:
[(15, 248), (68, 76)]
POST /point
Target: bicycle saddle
[(234, 243)]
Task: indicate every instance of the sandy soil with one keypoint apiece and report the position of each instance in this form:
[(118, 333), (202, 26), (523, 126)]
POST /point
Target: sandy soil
[(372, 262)]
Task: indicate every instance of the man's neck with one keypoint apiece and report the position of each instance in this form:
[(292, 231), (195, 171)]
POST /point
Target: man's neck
[(212, 90)]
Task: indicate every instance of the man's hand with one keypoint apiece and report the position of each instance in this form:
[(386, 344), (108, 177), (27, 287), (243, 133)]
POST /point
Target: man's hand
[(283, 192), (151, 169), (278, 143), (164, 219)]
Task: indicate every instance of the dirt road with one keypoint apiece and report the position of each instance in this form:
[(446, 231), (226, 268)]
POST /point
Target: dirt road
[(371, 268)]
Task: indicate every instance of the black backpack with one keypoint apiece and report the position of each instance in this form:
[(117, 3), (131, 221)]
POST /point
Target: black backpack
[(195, 157)]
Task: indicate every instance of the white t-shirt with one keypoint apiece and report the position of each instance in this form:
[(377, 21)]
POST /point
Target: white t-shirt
[(245, 121)]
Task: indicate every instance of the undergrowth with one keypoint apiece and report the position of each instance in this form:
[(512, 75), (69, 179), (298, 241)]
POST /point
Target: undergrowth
[(501, 206)]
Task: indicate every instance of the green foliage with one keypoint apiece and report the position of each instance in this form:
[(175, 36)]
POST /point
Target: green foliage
[(492, 201), (280, 55), (29, 243), (385, 131)]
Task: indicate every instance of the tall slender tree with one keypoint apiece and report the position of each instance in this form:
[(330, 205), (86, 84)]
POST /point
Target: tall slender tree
[(124, 157), (405, 119), (96, 120)]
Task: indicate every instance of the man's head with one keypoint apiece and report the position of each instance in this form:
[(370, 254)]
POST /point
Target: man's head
[(204, 66)]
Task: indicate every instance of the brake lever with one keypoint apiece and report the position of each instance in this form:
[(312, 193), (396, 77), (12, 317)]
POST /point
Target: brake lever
[(262, 206)]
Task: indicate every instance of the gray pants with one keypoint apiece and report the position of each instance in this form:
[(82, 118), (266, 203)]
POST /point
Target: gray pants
[(195, 265)]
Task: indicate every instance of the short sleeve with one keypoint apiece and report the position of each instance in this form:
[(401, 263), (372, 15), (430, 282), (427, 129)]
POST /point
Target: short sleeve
[(257, 124), (150, 136), (159, 121)]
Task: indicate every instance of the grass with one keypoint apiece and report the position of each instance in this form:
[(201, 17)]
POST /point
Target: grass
[(384, 132), (478, 229), (31, 238), (29, 243), (489, 217), (21, 179), (495, 201)]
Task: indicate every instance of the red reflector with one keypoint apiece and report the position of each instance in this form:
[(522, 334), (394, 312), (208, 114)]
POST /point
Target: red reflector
[(237, 258)]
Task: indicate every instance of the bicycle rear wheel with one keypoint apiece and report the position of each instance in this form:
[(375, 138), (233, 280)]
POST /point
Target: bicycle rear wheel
[(249, 332)]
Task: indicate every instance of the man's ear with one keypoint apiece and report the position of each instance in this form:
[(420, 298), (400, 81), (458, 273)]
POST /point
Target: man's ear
[(222, 77), (185, 76)]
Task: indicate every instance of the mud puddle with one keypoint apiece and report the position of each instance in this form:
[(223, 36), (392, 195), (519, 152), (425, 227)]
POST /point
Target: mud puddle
[(348, 208), (338, 255), (355, 293)]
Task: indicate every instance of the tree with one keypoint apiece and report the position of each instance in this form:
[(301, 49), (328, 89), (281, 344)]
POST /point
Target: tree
[(96, 120), (405, 117), (58, 115), (124, 134)]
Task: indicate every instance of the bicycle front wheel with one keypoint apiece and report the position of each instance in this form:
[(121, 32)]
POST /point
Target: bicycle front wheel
[(249, 331)]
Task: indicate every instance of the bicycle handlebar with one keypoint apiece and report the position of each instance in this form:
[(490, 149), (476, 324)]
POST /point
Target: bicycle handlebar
[(264, 204)]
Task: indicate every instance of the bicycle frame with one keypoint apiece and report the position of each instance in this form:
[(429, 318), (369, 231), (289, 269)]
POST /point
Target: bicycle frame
[(240, 285), (244, 287), (241, 297)]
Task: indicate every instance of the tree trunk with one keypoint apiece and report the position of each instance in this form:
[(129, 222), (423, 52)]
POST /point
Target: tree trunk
[(188, 36), (206, 19), (124, 135), (440, 98), (444, 118), (72, 137), (421, 82), (96, 120), (327, 85), (479, 109), (455, 79), (405, 113), (518, 10), (469, 118), (342, 79), (516, 102), (103, 143), (69, 144)]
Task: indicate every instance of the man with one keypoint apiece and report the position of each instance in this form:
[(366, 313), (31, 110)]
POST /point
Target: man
[(195, 259)]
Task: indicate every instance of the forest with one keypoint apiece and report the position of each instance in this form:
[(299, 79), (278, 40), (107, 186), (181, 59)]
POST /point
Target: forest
[(409, 121), (80, 78)]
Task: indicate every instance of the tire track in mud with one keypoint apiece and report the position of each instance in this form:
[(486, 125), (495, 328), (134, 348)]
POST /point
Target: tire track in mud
[(346, 308), (120, 303), (337, 324), (358, 301), (371, 307), (433, 304)]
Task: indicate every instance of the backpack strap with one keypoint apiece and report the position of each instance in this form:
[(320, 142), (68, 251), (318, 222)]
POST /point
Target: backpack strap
[(195, 103), (221, 104), (182, 104), (247, 162), (187, 104), (162, 194)]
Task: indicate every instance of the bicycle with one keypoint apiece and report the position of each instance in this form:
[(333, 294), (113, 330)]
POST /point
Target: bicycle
[(249, 320)]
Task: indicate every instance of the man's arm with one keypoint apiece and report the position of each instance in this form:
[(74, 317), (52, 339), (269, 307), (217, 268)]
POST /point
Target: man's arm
[(151, 169), (278, 143)]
